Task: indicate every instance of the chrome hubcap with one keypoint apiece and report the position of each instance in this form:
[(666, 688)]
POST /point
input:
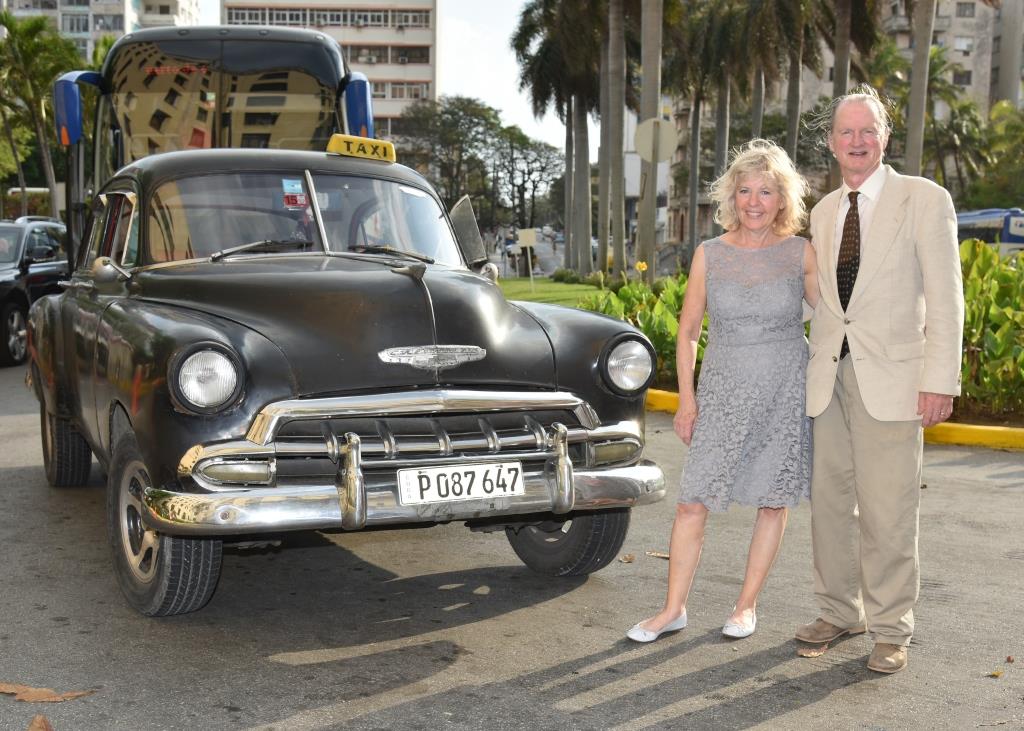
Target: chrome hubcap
[(17, 335), (141, 545)]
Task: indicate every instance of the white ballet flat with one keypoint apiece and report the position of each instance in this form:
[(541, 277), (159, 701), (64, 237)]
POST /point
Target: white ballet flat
[(639, 634), (739, 630)]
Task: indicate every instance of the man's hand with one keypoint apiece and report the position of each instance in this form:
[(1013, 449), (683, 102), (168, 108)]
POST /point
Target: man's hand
[(685, 418), (933, 408)]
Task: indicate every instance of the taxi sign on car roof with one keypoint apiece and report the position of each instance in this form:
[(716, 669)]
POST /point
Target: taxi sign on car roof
[(361, 147)]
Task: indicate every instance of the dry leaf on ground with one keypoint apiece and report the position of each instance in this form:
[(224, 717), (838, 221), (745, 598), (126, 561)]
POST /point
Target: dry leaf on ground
[(40, 695), (811, 650), (1009, 658), (656, 554), (994, 674), (40, 723), (627, 558)]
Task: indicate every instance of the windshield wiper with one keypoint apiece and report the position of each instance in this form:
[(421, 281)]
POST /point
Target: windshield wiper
[(262, 245), (391, 250)]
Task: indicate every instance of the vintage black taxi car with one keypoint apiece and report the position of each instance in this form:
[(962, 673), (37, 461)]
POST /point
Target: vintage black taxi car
[(259, 341)]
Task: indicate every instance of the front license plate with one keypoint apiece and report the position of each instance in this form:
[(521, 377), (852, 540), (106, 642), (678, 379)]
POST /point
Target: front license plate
[(460, 482)]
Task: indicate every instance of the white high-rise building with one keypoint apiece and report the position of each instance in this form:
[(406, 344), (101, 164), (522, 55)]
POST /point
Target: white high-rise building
[(393, 43), (86, 21)]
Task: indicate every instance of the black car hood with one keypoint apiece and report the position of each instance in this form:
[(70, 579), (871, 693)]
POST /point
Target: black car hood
[(331, 316)]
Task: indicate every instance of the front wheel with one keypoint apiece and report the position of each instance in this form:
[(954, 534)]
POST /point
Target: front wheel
[(13, 334), (160, 575), (582, 544)]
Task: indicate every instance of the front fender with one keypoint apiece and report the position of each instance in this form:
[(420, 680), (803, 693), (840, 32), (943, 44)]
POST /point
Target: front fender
[(136, 343), (579, 338), (44, 352)]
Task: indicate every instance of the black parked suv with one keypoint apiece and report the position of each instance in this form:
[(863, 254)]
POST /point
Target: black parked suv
[(33, 258)]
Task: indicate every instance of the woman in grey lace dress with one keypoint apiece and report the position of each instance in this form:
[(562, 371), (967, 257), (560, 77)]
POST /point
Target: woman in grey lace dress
[(746, 427)]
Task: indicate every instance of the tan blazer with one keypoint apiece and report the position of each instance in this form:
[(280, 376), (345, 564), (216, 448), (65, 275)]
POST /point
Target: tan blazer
[(904, 323)]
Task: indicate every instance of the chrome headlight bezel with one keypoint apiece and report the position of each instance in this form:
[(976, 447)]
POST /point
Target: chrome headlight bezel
[(181, 358), (609, 352)]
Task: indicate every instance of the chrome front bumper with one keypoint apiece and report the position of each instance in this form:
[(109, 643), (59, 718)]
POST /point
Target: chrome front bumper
[(308, 508), (362, 492)]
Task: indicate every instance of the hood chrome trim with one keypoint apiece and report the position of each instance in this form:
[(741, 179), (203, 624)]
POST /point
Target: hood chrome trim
[(432, 357)]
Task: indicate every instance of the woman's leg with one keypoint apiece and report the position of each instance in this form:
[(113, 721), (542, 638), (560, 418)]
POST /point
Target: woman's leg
[(684, 554), (764, 547)]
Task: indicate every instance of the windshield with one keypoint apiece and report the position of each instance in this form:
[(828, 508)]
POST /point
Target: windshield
[(368, 213), (9, 237), (198, 217)]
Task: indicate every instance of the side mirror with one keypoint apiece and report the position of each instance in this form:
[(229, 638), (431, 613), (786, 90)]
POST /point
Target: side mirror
[(489, 270), (105, 271), (467, 233)]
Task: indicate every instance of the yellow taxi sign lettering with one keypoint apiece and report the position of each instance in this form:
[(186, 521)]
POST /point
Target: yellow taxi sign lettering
[(361, 147)]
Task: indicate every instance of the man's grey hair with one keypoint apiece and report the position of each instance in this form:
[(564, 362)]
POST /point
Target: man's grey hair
[(821, 124)]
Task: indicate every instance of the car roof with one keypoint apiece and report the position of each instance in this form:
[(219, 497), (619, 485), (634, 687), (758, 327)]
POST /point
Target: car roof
[(155, 169)]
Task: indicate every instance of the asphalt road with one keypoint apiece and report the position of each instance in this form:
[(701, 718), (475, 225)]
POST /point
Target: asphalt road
[(444, 629)]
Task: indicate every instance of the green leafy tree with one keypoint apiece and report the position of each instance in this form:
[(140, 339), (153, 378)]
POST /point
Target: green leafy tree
[(35, 54), (1001, 185)]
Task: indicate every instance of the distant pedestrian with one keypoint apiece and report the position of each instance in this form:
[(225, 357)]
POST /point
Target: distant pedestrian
[(748, 434)]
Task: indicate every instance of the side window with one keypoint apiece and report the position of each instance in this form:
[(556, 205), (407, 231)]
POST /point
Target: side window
[(122, 226), (103, 214), (59, 240), (38, 242)]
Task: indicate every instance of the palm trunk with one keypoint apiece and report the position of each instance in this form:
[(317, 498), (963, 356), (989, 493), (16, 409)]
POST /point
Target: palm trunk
[(757, 104), (924, 21), (841, 70), (793, 93), (617, 110), (567, 259), (694, 181), (581, 192), (47, 160), (604, 164), (650, 101), (722, 131), (9, 134)]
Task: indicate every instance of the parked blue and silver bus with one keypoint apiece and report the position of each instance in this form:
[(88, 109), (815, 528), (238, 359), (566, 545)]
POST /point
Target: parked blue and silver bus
[(1000, 226)]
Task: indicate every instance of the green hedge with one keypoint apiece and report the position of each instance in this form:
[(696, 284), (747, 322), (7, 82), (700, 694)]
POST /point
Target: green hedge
[(993, 364)]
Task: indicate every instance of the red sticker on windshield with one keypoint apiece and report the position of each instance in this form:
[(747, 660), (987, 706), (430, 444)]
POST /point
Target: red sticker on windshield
[(295, 200)]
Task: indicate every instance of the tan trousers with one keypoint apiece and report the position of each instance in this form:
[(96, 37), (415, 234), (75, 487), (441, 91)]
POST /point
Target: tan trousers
[(865, 499)]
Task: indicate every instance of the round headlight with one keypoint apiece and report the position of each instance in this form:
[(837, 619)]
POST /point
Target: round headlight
[(207, 379), (629, 366)]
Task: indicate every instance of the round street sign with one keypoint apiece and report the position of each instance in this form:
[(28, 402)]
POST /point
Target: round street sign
[(644, 138)]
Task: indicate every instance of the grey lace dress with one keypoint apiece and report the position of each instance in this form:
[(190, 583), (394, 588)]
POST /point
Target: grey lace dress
[(752, 441)]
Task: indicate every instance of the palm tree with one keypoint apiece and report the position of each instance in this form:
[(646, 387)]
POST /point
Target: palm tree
[(963, 140), (650, 101), (8, 116), (616, 131), (923, 15), (35, 54)]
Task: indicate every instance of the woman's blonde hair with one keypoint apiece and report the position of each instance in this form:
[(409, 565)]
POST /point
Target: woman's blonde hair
[(765, 158)]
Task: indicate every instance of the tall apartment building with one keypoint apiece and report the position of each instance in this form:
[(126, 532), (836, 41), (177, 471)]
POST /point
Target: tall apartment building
[(393, 43), (86, 21), (985, 42)]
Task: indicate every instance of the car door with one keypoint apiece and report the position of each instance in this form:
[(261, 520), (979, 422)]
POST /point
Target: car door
[(83, 305)]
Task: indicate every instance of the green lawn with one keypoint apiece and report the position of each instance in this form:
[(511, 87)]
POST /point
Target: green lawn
[(544, 290)]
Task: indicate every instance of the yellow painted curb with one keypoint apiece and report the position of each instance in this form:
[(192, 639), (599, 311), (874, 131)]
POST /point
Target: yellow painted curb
[(993, 437)]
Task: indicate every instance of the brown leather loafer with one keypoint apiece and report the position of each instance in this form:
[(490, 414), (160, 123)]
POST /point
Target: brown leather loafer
[(886, 658), (819, 632)]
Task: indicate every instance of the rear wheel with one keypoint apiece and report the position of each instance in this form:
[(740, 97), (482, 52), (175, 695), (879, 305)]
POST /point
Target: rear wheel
[(582, 544), (13, 334), (160, 575), (67, 457)]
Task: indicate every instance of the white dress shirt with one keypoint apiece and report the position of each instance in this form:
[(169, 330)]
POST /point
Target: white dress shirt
[(870, 191)]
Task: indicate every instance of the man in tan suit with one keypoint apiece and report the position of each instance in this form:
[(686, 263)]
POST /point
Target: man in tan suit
[(885, 352)]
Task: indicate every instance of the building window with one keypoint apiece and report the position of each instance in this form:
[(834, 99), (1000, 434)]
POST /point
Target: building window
[(411, 18), (75, 23), (108, 22), (965, 10), (380, 90), (288, 17), (409, 90), (995, 45), (962, 78), (995, 75), (245, 16), (410, 54), (74, 3), (964, 44), (368, 18)]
